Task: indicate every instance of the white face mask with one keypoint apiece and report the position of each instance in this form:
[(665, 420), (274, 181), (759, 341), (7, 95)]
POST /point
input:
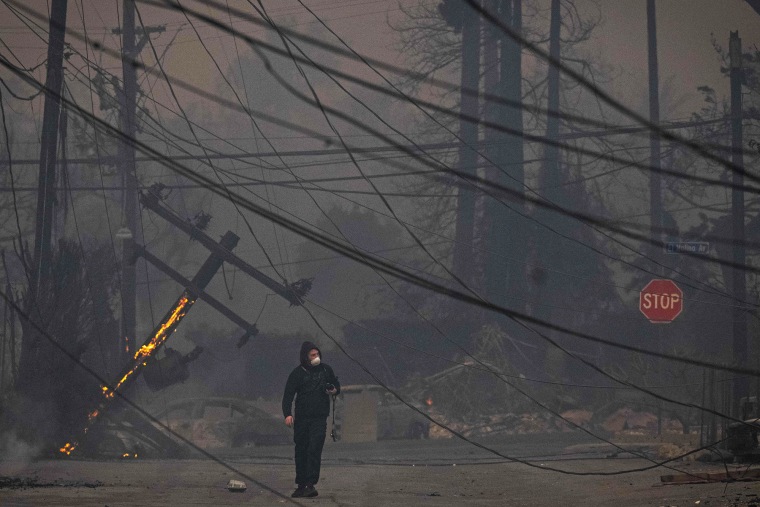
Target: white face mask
[(315, 361)]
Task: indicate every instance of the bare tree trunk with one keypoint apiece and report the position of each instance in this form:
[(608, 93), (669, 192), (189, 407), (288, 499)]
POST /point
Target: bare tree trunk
[(506, 235), (468, 132)]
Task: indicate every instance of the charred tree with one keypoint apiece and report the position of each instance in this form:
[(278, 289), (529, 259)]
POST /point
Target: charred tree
[(504, 230)]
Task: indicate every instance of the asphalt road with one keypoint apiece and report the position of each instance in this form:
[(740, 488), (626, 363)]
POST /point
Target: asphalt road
[(427, 472)]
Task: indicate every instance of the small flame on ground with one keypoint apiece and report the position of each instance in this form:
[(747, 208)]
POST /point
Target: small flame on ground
[(68, 448), (429, 401)]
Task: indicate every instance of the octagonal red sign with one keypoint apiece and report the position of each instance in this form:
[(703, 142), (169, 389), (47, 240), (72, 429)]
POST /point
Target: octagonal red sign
[(661, 301)]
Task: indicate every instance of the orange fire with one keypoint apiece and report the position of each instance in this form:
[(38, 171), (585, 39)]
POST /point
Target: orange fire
[(141, 356), (68, 448), (159, 338)]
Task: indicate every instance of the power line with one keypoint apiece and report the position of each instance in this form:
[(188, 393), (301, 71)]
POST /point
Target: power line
[(135, 140), (316, 135), (370, 260), (256, 44), (576, 215), (364, 127), (604, 96), (58, 346)]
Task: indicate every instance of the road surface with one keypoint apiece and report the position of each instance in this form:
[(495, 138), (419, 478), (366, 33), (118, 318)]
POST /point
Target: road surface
[(399, 473)]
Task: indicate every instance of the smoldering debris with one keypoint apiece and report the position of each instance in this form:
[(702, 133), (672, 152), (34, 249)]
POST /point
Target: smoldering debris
[(32, 482)]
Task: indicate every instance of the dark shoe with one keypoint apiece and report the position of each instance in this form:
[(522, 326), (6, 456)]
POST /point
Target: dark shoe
[(299, 492), (310, 491)]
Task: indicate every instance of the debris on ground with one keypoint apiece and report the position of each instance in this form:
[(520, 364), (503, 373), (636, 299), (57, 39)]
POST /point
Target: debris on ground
[(624, 422), (29, 482), (700, 478), (235, 486)]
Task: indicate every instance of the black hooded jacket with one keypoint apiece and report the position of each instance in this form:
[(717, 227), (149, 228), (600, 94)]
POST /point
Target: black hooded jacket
[(307, 384)]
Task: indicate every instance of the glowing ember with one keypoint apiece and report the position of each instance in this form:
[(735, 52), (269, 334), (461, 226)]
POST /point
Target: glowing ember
[(68, 448), (429, 401)]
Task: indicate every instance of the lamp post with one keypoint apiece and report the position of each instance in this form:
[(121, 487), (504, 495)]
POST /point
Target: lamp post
[(126, 341)]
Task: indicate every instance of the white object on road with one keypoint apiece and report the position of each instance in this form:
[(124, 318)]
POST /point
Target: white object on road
[(236, 486)]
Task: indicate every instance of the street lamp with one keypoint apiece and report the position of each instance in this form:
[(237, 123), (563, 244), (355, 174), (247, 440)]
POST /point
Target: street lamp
[(124, 234)]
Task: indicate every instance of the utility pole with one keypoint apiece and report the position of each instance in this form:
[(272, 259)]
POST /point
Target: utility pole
[(128, 232), (49, 149), (655, 178), (33, 347), (552, 179), (741, 384)]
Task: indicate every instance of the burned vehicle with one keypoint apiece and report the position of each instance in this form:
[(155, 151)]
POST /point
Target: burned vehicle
[(217, 422), (369, 412)]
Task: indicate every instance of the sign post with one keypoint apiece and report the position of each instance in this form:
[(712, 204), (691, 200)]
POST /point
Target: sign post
[(661, 301)]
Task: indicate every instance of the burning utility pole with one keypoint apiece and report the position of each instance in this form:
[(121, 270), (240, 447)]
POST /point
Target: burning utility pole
[(158, 337), (194, 289)]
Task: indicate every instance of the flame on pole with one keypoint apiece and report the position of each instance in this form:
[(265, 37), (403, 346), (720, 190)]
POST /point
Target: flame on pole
[(158, 337)]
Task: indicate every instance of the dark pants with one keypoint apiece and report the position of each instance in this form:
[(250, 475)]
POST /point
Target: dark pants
[(309, 436)]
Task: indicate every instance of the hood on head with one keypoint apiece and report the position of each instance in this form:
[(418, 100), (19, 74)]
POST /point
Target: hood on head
[(305, 348)]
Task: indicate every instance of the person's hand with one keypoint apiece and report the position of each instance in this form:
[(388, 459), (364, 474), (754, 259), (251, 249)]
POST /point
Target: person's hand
[(289, 421)]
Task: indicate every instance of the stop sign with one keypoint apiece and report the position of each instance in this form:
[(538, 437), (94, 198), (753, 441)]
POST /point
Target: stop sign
[(661, 301)]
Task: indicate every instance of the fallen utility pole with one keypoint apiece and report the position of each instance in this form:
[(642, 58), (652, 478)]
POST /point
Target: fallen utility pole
[(160, 334), (250, 329), (293, 293)]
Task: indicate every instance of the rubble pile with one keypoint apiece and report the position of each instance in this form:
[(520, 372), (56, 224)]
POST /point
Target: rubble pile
[(623, 422)]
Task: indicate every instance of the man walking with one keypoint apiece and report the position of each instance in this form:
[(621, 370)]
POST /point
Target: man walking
[(311, 384)]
